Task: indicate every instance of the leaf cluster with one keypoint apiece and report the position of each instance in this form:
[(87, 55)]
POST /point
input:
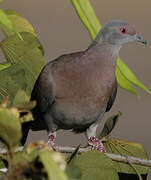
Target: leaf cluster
[(24, 55), (37, 161)]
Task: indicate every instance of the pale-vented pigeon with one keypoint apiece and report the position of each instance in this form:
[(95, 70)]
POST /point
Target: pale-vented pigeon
[(75, 90)]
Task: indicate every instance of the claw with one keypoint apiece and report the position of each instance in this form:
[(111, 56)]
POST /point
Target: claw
[(96, 144), (51, 143)]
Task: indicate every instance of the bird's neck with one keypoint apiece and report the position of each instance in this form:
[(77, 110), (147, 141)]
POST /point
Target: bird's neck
[(109, 48), (105, 53)]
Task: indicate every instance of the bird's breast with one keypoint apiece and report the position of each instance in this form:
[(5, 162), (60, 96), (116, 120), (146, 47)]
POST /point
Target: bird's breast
[(83, 95)]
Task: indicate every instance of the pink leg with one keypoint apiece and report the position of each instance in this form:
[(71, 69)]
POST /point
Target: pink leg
[(51, 138), (96, 144)]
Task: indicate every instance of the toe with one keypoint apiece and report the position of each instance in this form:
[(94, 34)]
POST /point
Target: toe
[(96, 144), (52, 146)]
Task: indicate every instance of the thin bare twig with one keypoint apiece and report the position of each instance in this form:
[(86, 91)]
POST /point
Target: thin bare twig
[(114, 157)]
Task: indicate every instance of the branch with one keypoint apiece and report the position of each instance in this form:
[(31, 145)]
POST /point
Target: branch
[(114, 157)]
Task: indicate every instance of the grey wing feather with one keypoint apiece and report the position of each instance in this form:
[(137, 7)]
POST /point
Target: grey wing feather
[(43, 93), (111, 100), (44, 96)]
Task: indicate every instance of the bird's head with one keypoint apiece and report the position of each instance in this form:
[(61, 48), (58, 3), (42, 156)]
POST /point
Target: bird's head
[(118, 32)]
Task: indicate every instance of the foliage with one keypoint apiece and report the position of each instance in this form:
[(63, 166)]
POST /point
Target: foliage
[(5, 22), (25, 57), (95, 164), (125, 148), (24, 60), (10, 126), (109, 126), (38, 161)]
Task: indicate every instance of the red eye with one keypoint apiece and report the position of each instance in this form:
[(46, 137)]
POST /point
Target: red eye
[(123, 30)]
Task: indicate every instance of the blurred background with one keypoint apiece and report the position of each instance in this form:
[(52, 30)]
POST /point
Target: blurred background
[(61, 31)]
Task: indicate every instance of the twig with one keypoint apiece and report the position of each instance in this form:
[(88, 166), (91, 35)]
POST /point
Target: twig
[(114, 157)]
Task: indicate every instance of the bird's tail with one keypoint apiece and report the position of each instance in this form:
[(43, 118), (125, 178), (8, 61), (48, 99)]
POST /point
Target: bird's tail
[(25, 129)]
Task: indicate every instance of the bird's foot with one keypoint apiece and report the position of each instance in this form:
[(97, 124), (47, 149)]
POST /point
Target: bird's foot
[(51, 143), (96, 144)]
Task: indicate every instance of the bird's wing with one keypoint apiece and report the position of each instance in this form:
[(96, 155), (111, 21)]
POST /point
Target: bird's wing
[(111, 99), (43, 92)]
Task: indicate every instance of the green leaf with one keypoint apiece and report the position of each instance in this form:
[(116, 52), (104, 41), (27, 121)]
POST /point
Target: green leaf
[(8, 87), (6, 24), (1, 174), (109, 125), (124, 83), (2, 165), (10, 127), (4, 65), (137, 172), (88, 17), (52, 168), (23, 157), (5, 21), (95, 165), (22, 101), (73, 154), (14, 48), (27, 61), (125, 148), (27, 117), (19, 23), (129, 75), (73, 172)]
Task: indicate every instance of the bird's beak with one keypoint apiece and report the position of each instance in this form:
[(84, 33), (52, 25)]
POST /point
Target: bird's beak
[(140, 39)]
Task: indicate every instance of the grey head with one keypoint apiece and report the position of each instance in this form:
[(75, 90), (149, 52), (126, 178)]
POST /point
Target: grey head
[(118, 32)]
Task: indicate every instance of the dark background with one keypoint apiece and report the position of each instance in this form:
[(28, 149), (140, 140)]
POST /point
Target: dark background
[(60, 31)]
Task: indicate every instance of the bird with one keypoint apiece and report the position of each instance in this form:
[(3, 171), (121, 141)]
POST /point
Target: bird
[(74, 91)]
